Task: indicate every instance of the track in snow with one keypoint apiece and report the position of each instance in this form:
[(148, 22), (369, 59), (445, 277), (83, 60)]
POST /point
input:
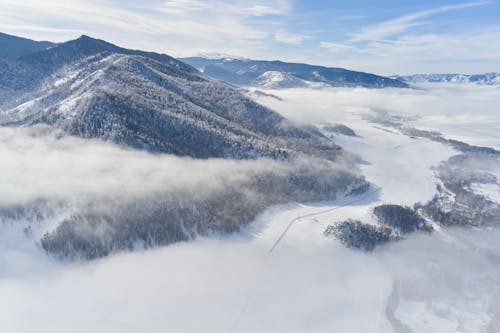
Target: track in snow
[(298, 218)]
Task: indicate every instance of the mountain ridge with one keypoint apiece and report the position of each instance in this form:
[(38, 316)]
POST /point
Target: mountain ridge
[(19, 46), (246, 72), (94, 89)]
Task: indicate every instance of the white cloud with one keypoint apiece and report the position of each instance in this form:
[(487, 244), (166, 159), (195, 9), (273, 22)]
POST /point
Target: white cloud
[(217, 8), (257, 29), (394, 47), (261, 10), (404, 23), (464, 53), (35, 160), (182, 6), (336, 47), (284, 36), (177, 27)]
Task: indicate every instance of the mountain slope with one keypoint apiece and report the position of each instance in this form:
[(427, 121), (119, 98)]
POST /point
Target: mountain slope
[(30, 70), (94, 89), (278, 74), (14, 47)]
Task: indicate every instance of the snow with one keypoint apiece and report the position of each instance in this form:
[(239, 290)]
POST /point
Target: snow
[(229, 284), (428, 317), (219, 56), (233, 284), (481, 79), (65, 77), (24, 106), (491, 191), (447, 281), (276, 80), (399, 165), (469, 114)]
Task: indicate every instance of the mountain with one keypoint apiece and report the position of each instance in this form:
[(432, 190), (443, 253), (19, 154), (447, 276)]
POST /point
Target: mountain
[(14, 47), (93, 89), (482, 79), (278, 74)]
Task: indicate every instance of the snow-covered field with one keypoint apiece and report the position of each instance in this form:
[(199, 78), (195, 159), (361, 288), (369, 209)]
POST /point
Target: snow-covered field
[(400, 165), (439, 283), (447, 281), (465, 112)]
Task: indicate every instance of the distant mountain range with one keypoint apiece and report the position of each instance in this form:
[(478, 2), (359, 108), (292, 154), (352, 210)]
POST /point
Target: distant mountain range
[(94, 89), (482, 79), (278, 74)]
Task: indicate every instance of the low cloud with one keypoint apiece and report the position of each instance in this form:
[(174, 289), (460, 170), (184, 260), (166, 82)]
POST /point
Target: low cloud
[(85, 199), (234, 285), (453, 107), (39, 164)]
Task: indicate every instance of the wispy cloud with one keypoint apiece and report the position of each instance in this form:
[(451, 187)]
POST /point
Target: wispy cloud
[(241, 8), (336, 47), (263, 29), (404, 23), (471, 52), (284, 36), (395, 46), (189, 26), (182, 6)]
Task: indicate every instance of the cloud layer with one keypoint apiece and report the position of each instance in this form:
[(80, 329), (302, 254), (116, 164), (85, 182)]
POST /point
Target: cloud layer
[(452, 109), (234, 285)]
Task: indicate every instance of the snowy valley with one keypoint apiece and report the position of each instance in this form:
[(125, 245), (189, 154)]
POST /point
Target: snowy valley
[(139, 194)]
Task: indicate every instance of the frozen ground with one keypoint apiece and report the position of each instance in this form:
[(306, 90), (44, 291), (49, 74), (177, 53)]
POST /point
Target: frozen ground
[(439, 283), (447, 281), (399, 165)]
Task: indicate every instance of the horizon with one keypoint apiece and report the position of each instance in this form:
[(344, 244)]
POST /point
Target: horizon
[(389, 38), (239, 57)]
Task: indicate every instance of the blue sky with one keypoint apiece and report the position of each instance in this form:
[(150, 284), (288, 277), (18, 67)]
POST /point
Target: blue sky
[(384, 36)]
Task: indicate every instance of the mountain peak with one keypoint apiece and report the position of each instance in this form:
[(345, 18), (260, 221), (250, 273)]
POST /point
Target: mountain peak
[(85, 37), (87, 41)]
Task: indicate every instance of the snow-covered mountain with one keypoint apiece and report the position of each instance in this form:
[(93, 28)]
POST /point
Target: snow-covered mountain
[(94, 89), (278, 74), (427, 204), (91, 89), (14, 47), (482, 79), (277, 80)]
